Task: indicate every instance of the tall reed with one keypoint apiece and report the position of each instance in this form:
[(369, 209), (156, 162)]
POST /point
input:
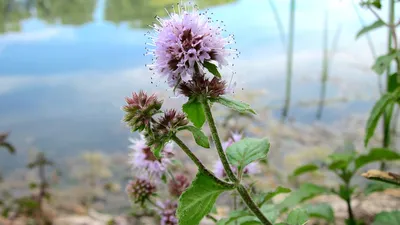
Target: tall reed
[(289, 60)]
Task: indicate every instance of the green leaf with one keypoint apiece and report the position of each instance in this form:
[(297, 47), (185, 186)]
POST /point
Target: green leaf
[(376, 155), (235, 216), (376, 113), (254, 222), (305, 192), (32, 185), (269, 195), (212, 68), (5, 212), (246, 217), (304, 169), (393, 83), (235, 105), (198, 200), (200, 138), (195, 113), (270, 211), (383, 62), (341, 160), (8, 146), (157, 150), (387, 218), (376, 186), (320, 210), (297, 217), (345, 193), (246, 151), (377, 24), (375, 3)]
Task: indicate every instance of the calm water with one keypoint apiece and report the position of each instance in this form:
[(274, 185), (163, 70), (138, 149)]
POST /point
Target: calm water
[(66, 66)]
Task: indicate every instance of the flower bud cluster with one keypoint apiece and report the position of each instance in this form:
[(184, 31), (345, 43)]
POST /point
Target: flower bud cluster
[(178, 185), (140, 109), (140, 190)]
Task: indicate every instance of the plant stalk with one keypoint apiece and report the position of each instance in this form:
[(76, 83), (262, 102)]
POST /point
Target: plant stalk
[(352, 220), (289, 65), (252, 205), (387, 117), (198, 163), (217, 140), (239, 187), (325, 64)]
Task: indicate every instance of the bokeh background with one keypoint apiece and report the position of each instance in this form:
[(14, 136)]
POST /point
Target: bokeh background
[(66, 66)]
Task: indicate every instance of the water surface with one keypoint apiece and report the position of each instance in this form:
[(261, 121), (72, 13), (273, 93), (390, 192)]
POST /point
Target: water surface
[(66, 66)]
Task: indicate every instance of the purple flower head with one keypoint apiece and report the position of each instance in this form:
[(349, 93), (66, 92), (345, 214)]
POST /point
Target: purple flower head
[(140, 190), (252, 168), (178, 185), (168, 212), (185, 41), (144, 162), (139, 110)]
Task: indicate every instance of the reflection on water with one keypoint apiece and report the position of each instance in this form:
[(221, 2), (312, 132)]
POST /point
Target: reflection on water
[(65, 66), (12, 14), (138, 13), (72, 12)]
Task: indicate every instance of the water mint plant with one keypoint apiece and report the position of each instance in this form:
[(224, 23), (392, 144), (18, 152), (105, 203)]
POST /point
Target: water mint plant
[(188, 51)]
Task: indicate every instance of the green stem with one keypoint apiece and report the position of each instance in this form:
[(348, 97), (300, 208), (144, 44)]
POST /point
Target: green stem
[(252, 205), (387, 117), (198, 163), (278, 21), (217, 141), (212, 218), (289, 64), (235, 205), (239, 187), (325, 64), (352, 221)]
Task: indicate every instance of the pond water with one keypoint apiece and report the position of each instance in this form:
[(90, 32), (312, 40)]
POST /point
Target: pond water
[(66, 66)]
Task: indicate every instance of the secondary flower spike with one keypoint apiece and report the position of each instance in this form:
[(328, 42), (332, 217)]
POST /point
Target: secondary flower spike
[(140, 108), (178, 185), (140, 190), (168, 212), (145, 163), (185, 41)]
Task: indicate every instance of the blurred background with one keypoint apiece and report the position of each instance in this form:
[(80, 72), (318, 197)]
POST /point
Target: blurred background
[(66, 66)]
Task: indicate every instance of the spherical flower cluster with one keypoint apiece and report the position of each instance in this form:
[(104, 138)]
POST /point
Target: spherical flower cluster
[(144, 162), (178, 185), (140, 190), (185, 41), (168, 212), (252, 168), (140, 109)]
